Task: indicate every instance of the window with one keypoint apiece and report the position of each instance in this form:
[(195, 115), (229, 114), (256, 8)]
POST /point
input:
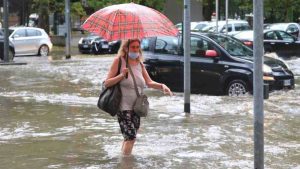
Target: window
[(241, 26), (285, 36), (271, 36), (199, 47), (20, 33), (232, 46), (31, 32), (166, 45), (229, 28), (200, 26), (145, 44), (292, 29)]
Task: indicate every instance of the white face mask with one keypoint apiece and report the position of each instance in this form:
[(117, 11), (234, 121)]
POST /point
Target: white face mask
[(133, 55)]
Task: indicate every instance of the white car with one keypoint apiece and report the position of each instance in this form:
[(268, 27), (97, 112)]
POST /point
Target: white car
[(195, 26), (30, 41), (234, 27)]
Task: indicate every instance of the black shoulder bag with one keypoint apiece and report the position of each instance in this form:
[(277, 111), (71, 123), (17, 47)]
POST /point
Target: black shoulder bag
[(110, 97)]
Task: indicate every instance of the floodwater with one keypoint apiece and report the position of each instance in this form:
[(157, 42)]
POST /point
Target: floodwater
[(49, 119)]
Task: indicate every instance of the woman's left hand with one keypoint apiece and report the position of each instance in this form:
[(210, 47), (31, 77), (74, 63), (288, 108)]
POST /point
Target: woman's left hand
[(166, 90)]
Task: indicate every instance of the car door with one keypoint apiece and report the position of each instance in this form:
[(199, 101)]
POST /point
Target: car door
[(18, 38), (168, 65), (289, 43), (205, 72), (33, 39), (273, 43)]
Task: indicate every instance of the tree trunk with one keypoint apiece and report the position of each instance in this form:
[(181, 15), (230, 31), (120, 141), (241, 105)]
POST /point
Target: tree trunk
[(43, 21), (208, 8)]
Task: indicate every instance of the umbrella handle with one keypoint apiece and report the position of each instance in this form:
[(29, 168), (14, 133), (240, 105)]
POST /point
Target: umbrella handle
[(126, 76)]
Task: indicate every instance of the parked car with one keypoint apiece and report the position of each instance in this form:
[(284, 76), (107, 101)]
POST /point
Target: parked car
[(291, 28), (280, 42), (220, 64), (114, 46), (234, 26), (30, 41), (195, 26), (93, 44), (11, 51)]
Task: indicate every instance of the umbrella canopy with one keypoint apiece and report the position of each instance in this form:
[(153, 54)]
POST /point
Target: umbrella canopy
[(129, 21)]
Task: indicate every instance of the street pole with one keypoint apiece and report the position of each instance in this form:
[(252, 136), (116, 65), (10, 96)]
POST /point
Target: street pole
[(226, 15), (187, 60), (68, 28), (258, 85), (217, 15), (5, 26)]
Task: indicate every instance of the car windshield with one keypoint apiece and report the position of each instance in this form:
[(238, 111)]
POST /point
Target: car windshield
[(233, 46), (93, 35), (200, 26)]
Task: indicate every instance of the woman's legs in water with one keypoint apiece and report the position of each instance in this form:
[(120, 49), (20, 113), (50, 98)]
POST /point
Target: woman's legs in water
[(127, 147), (129, 124)]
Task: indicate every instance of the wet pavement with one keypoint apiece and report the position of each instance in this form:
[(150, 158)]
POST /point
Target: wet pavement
[(49, 119)]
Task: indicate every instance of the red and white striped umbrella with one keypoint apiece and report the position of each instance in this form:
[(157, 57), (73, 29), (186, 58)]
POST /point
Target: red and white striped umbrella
[(129, 21)]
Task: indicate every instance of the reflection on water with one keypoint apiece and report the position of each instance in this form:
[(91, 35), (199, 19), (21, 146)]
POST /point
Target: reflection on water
[(49, 119)]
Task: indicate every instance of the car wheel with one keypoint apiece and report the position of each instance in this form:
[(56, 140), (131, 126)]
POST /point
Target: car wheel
[(44, 50), (237, 88)]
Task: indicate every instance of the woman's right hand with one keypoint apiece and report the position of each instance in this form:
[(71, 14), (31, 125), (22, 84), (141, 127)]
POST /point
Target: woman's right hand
[(166, 90), (124, 72)]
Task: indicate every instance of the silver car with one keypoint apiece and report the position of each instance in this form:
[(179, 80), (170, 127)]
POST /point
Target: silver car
[(30, 41)]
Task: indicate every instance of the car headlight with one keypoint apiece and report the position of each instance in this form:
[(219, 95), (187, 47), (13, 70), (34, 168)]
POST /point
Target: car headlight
[(267, 69), (80, 40)]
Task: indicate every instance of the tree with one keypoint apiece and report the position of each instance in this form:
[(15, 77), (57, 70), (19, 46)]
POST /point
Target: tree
[(96, 4), (43, 12)]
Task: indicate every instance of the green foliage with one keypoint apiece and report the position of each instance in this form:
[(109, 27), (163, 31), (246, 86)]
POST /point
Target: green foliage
[(77, 9), (96, 4), (274, 10)]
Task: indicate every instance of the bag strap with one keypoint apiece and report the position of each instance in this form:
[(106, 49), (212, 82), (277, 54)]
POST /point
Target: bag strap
[(134, 82), (119, 66)]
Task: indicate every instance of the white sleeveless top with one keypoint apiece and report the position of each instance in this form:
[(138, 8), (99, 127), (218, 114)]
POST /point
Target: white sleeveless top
[(127, 86)]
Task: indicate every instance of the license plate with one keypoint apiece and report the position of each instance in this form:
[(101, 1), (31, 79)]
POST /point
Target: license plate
[(104, 46), (85, 46), (286, 82)]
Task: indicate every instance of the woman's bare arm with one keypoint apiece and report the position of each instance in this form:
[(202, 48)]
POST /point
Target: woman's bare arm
[(112, 77), (152, 84)]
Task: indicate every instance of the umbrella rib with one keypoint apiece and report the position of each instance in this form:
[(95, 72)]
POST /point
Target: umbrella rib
[(112, 25)]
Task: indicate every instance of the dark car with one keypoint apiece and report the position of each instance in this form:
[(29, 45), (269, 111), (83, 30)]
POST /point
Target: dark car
[(280, 42), (114, 46), (220, 64), (93, 44), (11, 51), (291, 28)]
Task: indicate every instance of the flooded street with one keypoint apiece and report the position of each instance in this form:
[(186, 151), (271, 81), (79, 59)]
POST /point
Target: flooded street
[(49, 119)]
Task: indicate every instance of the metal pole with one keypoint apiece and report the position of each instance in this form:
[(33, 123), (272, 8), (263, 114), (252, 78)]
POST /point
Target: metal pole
[(217, 15), (5, 26), (68, 28), (226, 15), (258, 85), (187, 60)]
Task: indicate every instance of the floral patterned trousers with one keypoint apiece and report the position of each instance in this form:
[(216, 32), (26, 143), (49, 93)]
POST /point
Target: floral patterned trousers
[(129, 123)]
